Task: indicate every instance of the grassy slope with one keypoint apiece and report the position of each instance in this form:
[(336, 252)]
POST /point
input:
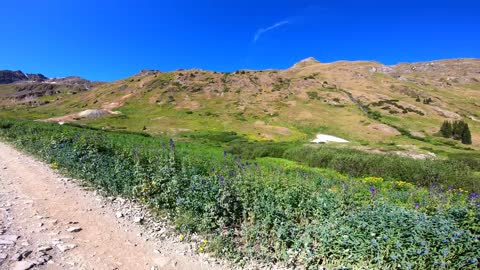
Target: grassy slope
[(275, 105)]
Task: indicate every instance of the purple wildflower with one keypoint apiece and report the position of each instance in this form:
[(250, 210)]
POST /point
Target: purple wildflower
[(221, 180), (172, 144), (373, 191), (224, 154), (213, 170), (472, 196), (164, 146), (450, 188), (417, 205), (344, 184)]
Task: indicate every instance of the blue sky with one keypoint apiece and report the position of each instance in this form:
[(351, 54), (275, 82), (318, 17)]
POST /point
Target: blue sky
[(112, 39)]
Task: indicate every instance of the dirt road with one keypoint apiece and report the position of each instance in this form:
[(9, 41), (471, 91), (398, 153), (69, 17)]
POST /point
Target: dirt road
[(50, 222)]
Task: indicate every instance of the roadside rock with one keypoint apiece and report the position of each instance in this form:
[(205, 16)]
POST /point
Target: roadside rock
[(19, 256), (44, 249), (3, 257), (74, 229), (65, 247), (6, 243), (23, 265)]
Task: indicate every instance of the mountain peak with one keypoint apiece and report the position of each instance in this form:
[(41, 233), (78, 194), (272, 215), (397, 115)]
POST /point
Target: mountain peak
[(10, 76), (306, 62)]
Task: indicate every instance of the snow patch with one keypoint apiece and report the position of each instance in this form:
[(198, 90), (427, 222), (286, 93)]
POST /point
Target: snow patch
[(323, 138)]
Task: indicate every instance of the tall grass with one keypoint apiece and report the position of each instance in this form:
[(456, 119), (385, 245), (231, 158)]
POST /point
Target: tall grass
[(457, 171)]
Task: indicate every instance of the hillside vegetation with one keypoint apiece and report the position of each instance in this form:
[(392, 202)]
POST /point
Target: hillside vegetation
[(367, 103)]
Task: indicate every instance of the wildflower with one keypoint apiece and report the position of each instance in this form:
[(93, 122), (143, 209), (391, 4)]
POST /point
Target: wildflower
[(344, 184), (373, 191), (181, 238), (221, 180), (204, 241), (172, 144), (417, 205), (472, 196), (473, 260), (450, 188), (224, 154), (213, 170), (201, 250)]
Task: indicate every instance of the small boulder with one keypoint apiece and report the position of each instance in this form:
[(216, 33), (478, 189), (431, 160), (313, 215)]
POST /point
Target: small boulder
[(65, 247), (74, 229)]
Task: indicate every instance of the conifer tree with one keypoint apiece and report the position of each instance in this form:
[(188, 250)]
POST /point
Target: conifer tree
[(466, 135), (446, 129), (457, 130)]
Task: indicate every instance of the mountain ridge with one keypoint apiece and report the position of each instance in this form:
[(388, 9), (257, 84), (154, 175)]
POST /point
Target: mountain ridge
[(365, 102)]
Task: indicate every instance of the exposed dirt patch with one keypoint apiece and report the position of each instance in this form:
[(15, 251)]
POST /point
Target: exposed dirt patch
[(447, 114), (91, 113), (117, 103), (385, 129), (275, 129)]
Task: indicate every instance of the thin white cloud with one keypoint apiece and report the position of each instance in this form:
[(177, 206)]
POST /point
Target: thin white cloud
[(261, 31)]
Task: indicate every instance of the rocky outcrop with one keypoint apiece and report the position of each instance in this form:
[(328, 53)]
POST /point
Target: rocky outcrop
[(306, 62), (9, 76)]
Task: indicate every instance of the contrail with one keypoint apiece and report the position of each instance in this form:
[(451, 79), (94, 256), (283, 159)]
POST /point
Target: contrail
[(263, 30)]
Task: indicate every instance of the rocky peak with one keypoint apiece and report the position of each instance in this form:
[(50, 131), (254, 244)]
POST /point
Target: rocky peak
[(10, 76), (36, 77), (306, 62)]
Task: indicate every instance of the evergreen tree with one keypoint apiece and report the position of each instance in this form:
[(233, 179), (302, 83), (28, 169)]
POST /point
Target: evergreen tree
[(457, 129), (466, 136), (446, 129)]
